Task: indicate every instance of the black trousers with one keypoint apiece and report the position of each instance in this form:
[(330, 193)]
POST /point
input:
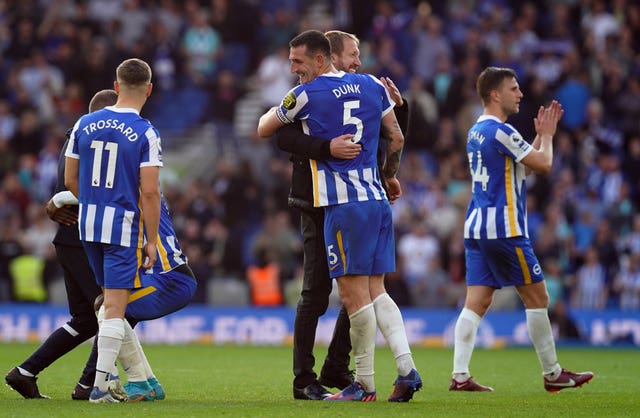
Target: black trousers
[(82, 289), (313, 303)]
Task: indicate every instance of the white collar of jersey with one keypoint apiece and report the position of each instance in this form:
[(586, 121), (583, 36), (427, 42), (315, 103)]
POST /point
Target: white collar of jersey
[(338, 74), (123, 109), (488, 117)]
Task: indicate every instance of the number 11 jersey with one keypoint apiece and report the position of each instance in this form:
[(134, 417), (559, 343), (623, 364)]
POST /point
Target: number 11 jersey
[(112, 145)]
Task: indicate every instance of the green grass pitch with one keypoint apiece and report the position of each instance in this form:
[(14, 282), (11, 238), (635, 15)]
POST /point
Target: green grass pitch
[(205, 381)]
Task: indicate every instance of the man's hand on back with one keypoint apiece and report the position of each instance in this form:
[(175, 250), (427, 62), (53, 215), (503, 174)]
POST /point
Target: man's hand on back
[(342, 147)]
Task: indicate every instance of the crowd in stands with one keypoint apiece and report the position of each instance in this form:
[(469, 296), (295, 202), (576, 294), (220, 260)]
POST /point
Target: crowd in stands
[(584, 218)]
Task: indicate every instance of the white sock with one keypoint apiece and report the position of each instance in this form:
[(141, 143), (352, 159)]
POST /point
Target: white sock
[(464, 342), (114, 373), (363, 342), (130, 356), (145, 363), (542, 339), (390, 322), (110, 338)]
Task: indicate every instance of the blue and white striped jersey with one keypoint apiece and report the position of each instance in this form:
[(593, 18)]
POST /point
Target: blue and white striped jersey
[(170, 254), (332, 105), (498, 201), (112, 145)]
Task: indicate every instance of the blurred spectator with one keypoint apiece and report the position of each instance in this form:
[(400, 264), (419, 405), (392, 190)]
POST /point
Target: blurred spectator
[(43, 82), (36, 238), (416, 251), (225, 92), (274, 74), (281, 241), (214, 237), (71, 105), (164, 58), (23, 42), (10, 248), (388, 64), (98, 68), (47, 167), (277, 29), (169, 14), (201, 47), (547, 67), (430, 44), (423, 116), (574, 94), (398, 289), (554, 280), (590, 290), (627, 105), (564, 327), (442, 79), (264, 280), (28, 138), (391, 21), (132, 24), (630, 164), (626, 284), (105, 10), (608, 138), (559, 25), (444, 217), (632, 242), (17, 198), (229, 18), (202, 270), (7, 158), (432, 291), (27, 278), (8, 121), (472, 45), (599, 22)]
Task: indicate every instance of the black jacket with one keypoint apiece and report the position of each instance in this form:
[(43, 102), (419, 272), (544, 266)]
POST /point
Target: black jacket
[(67, 234)]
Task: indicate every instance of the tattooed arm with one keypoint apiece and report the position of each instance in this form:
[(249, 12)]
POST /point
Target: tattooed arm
[(391, 131), (395, 141)]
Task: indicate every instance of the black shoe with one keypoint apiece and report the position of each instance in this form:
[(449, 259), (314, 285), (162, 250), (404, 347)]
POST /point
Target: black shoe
[(81, 394), (336, 380), (24, 385), (312, 392)]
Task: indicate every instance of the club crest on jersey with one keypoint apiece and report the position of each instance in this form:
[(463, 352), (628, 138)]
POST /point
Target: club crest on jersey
[(289, 101), (537, 270)]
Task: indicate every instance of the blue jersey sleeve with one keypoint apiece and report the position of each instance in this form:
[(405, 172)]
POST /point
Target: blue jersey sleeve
[(510, 142), (294, 105)]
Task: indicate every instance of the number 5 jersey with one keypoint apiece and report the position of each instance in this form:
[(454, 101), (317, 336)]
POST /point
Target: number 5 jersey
[(331, 105)]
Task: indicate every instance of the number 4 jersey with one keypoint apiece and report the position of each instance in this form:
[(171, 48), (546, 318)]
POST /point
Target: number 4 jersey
[(332, 105), (112, 145), (498, 201)]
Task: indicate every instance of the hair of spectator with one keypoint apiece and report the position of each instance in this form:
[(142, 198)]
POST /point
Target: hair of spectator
[(490, 79), (315, 41), (102, 99)]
